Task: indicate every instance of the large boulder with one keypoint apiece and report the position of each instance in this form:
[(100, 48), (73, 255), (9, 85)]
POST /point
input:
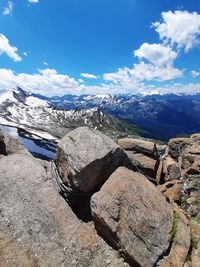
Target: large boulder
[(86, 158), (139, 146), (37, 227), (134, 217)]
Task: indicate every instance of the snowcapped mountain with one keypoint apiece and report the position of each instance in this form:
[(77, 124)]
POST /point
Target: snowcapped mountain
[(40, 116), (162, 116)]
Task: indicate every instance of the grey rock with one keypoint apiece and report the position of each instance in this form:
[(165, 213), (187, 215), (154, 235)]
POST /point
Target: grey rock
[(37, 227), (176, 145), (86, 158), (10, 145), (2, 144), (132, 215)]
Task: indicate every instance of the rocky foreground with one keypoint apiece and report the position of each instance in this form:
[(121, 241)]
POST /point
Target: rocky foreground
[(135, 203)]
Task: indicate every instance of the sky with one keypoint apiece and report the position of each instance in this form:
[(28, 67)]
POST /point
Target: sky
[(100, 46)]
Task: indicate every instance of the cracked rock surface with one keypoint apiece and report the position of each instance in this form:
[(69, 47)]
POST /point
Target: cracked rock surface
[(133, 216)]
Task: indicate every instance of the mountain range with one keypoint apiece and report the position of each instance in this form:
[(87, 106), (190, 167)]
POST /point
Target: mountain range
[(161, 116), (155, 116), (42, 117)]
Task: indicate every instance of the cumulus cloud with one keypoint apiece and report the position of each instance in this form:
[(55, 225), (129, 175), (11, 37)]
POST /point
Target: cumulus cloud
[(158, 54), (142, 72), (8, 8), (8, 49), (195, 73), (180, 28), (50, 82), (33, 1), (25, 54), (89, 76), (46, 81)]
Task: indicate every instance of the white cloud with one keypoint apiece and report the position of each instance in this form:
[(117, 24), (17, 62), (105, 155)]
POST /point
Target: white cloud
[(89, 76), (150, 72), (180, 28), (158, 54), (6, 48), (33, 1), (142, 72), (80, 80), (195, 73), (8, 8), (50, 82), (46, 81), (25, 54), (45, 63)]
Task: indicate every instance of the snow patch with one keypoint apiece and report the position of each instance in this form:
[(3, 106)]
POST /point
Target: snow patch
[(36, 102)]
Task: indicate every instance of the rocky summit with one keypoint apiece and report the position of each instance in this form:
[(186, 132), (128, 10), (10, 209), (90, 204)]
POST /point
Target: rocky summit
[(99, 203)]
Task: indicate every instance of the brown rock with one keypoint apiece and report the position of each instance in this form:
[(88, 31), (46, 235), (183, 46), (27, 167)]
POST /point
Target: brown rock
[(172, 191), (139, 146), (132, 215), (176, 145), (180, 243), (171, 169), (196, 136), (146, 165), (159, 173)]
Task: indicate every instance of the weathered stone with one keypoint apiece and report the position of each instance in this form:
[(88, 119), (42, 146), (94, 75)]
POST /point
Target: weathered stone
[(176, 145), (132, 215), (86, 158), (159, 173), (1, 136), (146, 165), (2, 144), (11, 145), (161, 149), (180, 243), (37, 227), (171, 169), (172, 191), (196, 136), (139, 146)]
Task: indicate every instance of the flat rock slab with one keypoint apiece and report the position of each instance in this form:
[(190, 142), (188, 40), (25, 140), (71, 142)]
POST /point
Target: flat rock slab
[(147, 165), (86, 158), (139, 146), (132, 215), (37, 227)]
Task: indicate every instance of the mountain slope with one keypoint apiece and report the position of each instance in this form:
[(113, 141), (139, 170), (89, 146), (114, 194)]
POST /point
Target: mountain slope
[(25, 110), (163, 116)]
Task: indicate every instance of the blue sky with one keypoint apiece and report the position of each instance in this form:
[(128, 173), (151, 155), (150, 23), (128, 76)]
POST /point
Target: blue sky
[(100, 46)]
